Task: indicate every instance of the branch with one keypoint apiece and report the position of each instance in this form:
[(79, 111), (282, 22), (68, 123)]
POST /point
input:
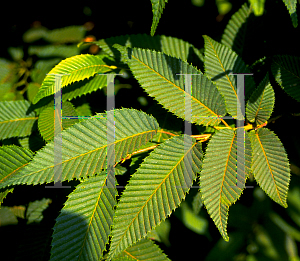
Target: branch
[(136, 152)]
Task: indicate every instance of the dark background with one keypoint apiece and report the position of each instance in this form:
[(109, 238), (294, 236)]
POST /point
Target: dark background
[(274, 34)]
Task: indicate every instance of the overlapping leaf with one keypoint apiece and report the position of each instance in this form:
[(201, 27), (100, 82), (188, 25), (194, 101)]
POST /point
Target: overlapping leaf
[(223, 176), (286, 70), (12, 159), (261, 103), (219, 62), (73, 69), (84, 147), (158, 75), (157, 9), (145, 249), (155, 190), (169, 45), (86, 86), (15, 121), (270, 164), (235, 32), (82, 229), (46, 119)]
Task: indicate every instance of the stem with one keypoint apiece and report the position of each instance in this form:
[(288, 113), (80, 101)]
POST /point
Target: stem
[(202, 137), (162, 131), (225, 123), (143, 150), (136, 152)]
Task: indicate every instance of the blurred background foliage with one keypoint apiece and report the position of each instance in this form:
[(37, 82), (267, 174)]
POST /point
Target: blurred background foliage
[(37, 36)]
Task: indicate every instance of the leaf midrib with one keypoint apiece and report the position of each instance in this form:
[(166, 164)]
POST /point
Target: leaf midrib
[(192, 97), (142, 207), (82, 155), (271, 172), (19, 119), (222, 186), (286, 69), (258, 109), (92, 217)]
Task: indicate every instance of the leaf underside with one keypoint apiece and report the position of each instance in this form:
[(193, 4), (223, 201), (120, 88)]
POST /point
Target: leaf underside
[(158, 75), (82, 228), (15, 121), (223, 176), (155, 190), (219, 62), (261, 103), (46, 121), (235, 32), (270, 164), (12, 158), (157, 9), (171, 46), (145, 249)]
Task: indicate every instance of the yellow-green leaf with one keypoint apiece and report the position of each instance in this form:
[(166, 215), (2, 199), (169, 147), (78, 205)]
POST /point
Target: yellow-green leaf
[(270, 165), (224, 174)]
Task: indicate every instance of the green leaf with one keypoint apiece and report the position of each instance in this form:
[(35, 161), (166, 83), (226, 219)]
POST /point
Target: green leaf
[(157, 9), (286, 70), (12, 159), (7, 217), (82, 228), (221, 183), (219, 62), (32, 90), (171, 46), (155, 190), (34, 212), (224, 6), (34, 34), (291, 5), (145, 249), (16, 53), (157, 74), (258, 6), (191, 220), (69, 34), (79, 67), (270, 164), (86, 86), (46, 119), (53, 51), (261, 103), (84, 147), (41, 68), (7, 72), (236, 30), (15, 121), (161, 233), (84, 110)]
